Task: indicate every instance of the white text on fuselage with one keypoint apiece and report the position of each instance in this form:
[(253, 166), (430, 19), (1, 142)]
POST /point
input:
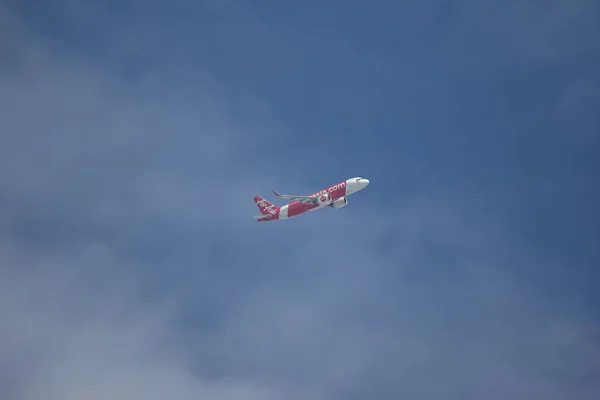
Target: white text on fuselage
[(331, 189)]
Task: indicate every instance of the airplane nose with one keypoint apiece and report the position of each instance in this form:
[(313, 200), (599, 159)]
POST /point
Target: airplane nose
[(364, 182)]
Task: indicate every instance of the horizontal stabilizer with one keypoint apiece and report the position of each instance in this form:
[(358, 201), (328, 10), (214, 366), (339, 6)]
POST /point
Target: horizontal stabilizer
[(266, 216)]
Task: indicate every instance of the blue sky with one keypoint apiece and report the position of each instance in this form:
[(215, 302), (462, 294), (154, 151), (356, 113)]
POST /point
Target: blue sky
[(133, 136)]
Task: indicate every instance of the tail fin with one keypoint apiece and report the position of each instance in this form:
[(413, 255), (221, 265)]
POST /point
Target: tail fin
[(265, 207)]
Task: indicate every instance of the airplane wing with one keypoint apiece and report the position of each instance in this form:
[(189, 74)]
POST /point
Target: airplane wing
[(303, 199)]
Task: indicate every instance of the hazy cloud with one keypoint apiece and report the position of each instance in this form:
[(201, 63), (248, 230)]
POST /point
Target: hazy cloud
[(130, 266), (487, 34)]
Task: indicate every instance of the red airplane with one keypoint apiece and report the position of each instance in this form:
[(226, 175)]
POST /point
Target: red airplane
[(334, 197)]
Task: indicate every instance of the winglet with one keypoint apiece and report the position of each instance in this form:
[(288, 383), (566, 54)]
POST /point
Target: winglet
[(276, 194)]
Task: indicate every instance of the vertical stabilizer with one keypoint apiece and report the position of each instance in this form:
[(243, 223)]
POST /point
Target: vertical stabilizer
[(267, 209)]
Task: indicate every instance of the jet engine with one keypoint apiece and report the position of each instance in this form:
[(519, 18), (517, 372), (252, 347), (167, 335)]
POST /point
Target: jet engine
[(339, 203), (324, 199)]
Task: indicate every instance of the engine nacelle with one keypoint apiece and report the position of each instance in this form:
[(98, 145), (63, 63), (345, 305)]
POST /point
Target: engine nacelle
[(339, 203), (324, 199)]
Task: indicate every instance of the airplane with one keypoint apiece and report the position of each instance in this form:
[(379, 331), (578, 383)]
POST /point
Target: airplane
[(334, 197)]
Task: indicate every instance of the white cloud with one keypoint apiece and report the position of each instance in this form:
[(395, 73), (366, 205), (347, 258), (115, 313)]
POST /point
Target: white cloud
[(83, 339)]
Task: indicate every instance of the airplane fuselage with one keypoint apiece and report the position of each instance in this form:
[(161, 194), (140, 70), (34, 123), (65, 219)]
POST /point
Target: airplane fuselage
[(334, 196)]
